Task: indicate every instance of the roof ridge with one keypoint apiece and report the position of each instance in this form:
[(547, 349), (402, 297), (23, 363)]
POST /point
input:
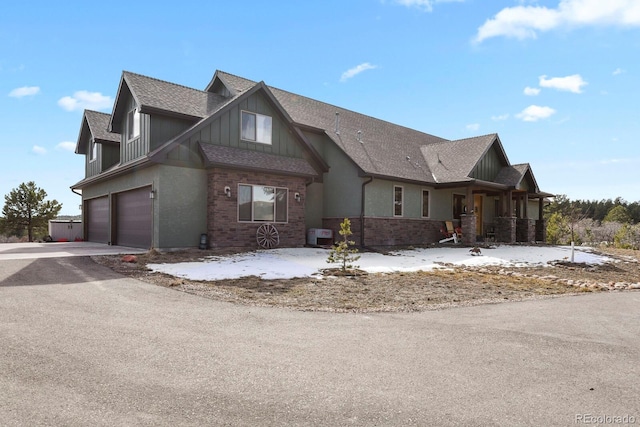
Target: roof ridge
[(333, 105), (475, 137), (235, 75), (164, 81), (96, 112)]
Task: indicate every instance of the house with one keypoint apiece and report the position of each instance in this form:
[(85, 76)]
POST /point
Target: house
[(171, 163)]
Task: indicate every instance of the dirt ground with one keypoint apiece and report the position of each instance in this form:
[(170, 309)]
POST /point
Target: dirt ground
[(448, 286)]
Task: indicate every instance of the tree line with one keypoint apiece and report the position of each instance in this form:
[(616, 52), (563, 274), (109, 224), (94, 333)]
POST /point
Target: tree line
[(597, 210), (605, 222)]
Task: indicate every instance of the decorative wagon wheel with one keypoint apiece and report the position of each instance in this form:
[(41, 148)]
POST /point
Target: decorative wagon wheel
[(267, 236)]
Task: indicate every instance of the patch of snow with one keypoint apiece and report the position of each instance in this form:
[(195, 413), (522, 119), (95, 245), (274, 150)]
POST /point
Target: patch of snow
[(287, 263)]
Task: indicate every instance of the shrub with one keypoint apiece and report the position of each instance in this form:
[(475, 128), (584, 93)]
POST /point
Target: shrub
[(341, 252)]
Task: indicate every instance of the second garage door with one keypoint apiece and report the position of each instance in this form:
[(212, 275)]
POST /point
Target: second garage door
[(133, 218)]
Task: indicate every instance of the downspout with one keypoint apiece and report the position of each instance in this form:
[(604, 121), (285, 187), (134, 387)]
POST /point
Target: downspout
[(362, 211)]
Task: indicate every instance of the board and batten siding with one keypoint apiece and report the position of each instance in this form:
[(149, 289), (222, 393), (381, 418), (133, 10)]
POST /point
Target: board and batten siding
[(163, 129), (137, 147), (225, 130), (489, 166)]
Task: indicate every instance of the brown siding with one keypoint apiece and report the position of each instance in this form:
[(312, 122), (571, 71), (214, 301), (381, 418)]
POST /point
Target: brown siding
[(222, 212)]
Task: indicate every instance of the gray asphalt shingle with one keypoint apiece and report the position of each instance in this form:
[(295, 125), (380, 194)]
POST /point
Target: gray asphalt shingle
[(98, 125), (246, 159)]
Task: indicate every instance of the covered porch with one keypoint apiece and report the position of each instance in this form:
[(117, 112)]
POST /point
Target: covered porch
[(489, 213)]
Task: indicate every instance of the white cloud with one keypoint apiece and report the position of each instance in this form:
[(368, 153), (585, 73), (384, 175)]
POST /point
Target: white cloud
[(531, 91), (618, 71), (523, 22), (500, 117), (533, 113), (571, 83), (66, 146), (352, 72), (425, 5), (473, 126), (24, 91), (85, 100), (39, 150)]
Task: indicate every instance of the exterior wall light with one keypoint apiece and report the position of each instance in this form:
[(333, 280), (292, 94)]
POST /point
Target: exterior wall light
[(152, 194), (297, 197), (227, 191)]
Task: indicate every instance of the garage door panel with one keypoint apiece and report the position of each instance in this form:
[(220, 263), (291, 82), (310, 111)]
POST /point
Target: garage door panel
[(97, 218), (133, 218)]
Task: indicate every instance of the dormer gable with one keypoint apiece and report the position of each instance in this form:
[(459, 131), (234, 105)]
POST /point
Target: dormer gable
[(228, 85)]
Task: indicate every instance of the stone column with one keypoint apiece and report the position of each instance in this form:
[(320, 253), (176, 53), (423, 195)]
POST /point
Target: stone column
[(525, 230), (541, 230), (506, 229), (468, 222)]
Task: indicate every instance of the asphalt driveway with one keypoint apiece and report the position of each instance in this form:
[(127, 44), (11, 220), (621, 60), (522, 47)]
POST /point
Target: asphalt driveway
[(80, 345), (9, 251)]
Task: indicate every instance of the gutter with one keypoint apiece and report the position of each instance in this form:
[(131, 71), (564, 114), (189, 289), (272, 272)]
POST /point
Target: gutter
[(364, 184)]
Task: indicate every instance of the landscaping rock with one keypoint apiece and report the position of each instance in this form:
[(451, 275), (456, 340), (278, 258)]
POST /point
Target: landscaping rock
[(130, 258)]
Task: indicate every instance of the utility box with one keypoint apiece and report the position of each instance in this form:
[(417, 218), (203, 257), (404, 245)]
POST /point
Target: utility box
[(319, 237)]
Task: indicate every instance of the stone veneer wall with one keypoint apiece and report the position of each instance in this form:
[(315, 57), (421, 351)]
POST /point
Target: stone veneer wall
[(505, 229), (468, 229), (390, 231), (541, 230), (525, 230), (222, 212)]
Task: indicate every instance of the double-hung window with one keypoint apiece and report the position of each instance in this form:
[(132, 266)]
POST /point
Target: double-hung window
[(133, 124), (256, 127), (259, 203), (397, 200)]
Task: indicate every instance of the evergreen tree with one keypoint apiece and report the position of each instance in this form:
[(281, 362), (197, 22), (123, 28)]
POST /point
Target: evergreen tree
[(25, 207), (341, 252), (618, 213)]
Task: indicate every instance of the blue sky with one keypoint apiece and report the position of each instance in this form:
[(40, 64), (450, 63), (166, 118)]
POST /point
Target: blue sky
[(558, 80)]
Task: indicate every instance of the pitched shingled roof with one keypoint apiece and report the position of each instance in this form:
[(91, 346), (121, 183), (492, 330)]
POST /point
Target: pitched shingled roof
[(378, 147), (98, 124), (453, 161), (245, 159), (170, 97)]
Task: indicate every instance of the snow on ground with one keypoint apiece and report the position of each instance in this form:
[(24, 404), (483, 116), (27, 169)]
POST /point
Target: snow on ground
[(288, 263)]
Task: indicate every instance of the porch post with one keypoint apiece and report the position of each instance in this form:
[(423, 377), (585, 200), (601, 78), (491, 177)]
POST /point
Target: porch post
[(540, 207), (468, 220), (509, 203)]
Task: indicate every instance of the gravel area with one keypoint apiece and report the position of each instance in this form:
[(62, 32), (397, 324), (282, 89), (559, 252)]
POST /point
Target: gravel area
[(448, 286)]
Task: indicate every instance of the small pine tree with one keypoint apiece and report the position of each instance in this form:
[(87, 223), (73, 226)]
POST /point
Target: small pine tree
[(341, 252)]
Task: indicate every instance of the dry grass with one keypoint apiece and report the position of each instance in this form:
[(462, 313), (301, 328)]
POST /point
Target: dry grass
[(417, 291)]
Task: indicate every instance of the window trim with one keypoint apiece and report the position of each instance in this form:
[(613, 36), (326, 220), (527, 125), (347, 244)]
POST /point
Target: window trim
[(395, 203), (275, 208), (428, 203), (130, 132), (256, 141)]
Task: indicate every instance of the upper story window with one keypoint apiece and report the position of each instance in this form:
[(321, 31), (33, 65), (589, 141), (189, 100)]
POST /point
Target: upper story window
[(133, 124), (397, 200), (93, 151), (262, 203), (256, 127)]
